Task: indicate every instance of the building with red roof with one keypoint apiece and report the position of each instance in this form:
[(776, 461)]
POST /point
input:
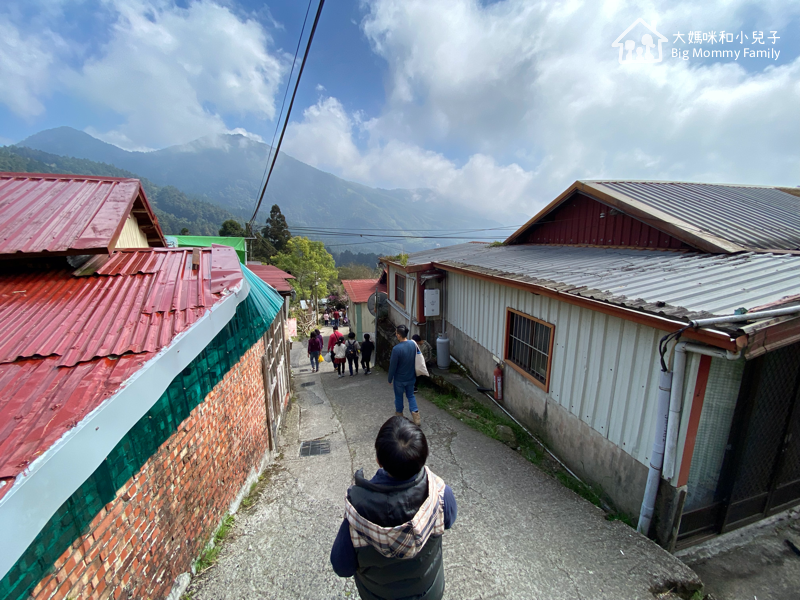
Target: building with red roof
[(132, 382), (57, 215), (273, 276), (358, 293)]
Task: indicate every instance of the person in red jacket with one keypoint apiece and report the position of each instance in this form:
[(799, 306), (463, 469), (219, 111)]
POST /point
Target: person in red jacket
[(335, 337), (336, 316)]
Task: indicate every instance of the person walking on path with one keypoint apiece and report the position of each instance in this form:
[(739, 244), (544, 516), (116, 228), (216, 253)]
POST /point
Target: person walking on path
[(367, 347), (336, 318), (391, 536), (339, 356), (351, 352), (326, 317), (403, 374), (335, 337), (314, 350)]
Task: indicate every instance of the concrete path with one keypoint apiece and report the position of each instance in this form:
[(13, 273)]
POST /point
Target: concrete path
[(519, 533)]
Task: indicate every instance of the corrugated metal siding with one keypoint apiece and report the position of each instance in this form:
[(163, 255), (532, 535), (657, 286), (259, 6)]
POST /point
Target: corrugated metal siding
[(753, 217), (583, 220), (131, 236), (603, 369)]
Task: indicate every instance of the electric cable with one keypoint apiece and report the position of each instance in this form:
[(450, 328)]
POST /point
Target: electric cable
[(289, 110), (285, 94)]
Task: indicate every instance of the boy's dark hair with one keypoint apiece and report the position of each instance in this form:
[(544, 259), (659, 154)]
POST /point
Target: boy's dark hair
[(401, 447), (335, 328), (366, 336), (416, 337), (351, 335), (402, 330)]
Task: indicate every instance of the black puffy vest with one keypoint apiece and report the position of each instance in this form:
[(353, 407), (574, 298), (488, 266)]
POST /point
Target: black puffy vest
[(381, 578)]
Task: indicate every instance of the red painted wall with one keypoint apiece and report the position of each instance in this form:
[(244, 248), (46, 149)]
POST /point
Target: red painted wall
[(163, 516), (581, 220)]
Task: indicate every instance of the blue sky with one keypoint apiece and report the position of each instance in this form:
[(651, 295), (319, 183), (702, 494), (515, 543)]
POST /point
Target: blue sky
[(496, 105)]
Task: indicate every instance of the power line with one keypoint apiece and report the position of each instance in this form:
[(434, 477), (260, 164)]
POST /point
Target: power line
[(285, 93), (353, 230), (363, 243), (414, 237), (289, 110)]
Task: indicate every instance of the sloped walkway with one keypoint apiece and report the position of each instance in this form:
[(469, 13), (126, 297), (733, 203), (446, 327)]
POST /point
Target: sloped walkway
[(519, 534)]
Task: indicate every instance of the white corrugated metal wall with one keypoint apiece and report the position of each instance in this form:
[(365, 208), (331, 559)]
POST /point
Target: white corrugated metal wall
[(604, 369)]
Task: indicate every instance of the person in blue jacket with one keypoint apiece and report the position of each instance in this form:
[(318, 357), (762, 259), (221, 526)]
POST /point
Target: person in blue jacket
[(402, 373), (391, 536)]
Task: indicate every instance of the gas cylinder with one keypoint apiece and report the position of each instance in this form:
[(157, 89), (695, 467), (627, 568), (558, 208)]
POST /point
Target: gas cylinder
[(443, 351), (498, 383)]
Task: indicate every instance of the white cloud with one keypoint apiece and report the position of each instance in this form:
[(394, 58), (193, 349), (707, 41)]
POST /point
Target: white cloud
[(25, 64), (539, 84), (173, 74), (327, 135)]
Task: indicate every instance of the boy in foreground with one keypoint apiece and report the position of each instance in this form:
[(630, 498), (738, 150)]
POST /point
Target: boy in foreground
[(391, 537)]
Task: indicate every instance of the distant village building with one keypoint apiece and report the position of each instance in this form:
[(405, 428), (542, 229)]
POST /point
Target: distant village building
[(358, 293), (278, 279), (141, 390), (576, 304)]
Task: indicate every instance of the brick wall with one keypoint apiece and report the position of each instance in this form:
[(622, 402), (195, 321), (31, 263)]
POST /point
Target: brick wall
[(163, 516)]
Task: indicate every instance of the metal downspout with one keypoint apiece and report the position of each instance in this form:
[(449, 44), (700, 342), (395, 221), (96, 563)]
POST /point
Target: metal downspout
[(657, 455)]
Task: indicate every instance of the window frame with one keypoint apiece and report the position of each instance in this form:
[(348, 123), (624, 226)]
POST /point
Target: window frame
[(546, 384), (397, 277)]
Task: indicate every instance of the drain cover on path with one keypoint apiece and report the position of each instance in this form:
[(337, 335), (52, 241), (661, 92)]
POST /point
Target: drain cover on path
[(315, 448), (309, 383)]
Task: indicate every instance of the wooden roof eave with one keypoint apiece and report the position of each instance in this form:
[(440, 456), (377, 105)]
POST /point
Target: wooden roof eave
[(653, 217), (407, 268)]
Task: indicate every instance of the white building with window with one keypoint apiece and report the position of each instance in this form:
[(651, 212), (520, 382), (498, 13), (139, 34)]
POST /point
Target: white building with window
[(575, 304)]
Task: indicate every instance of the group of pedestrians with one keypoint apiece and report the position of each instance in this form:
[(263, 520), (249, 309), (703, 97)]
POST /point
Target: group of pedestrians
[(342, 351), (335, 317)]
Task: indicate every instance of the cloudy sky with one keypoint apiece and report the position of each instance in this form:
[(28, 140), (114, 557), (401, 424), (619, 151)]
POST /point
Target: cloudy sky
[(498, 105)]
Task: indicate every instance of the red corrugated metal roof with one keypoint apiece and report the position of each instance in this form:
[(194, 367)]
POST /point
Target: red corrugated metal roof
[(71, 340), (359, 290), (69, 214), (273, 276)]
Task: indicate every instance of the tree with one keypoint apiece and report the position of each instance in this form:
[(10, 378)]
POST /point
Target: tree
[(184, 231), (261, 249), (355, 271), (312, 266), (231, 228), (277, 232)]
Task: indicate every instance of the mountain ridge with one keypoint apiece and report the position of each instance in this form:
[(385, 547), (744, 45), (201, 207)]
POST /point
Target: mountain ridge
[(225, 171)]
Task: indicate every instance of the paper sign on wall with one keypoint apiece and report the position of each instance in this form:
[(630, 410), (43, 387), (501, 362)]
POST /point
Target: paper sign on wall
[(431, 303)]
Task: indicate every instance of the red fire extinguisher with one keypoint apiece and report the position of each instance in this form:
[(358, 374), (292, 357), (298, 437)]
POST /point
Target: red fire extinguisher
[(498, 382)]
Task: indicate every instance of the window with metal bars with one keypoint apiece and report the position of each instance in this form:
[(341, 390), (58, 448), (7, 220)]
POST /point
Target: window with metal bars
[(400, 289), (529, 346)]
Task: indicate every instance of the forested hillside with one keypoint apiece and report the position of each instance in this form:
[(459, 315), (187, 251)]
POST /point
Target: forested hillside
[(174, 209)]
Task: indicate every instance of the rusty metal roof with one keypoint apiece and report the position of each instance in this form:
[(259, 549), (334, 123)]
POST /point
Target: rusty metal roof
[(272, 275), (673, 284), (71, 340), (719, 218), (69, 214), (359, 290)]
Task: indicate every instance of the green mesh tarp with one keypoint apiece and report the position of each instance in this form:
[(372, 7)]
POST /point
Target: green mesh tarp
[(204, 241), (267, 301), (188, 389)]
